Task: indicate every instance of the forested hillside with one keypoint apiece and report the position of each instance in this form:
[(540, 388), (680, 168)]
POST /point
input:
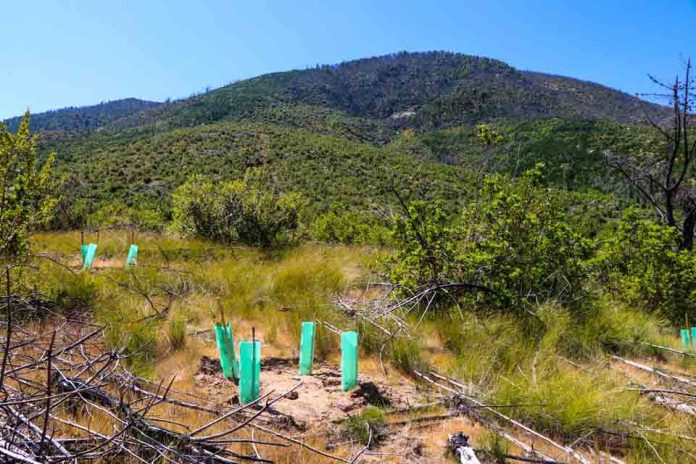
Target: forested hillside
[(83, 118), (349, 134), (421, 90)]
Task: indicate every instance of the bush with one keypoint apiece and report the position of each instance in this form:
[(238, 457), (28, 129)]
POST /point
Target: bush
[(252, 211), (25, 187), (641, 263), (424, 242), (344, 226), (515, 241)]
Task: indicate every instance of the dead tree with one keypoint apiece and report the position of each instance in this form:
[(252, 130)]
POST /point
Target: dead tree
[(665, 179)]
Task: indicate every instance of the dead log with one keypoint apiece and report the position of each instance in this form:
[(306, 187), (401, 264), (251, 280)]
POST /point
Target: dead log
[(459, 446), (656, 372)]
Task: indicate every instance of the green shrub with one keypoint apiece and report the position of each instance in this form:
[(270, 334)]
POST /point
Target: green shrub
[(424, 242), (515, 241), (641, 264), (252, 211), (344, 226), (26, 186)]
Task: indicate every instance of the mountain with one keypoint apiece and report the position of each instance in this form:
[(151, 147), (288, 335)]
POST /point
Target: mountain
[(428, 90), (422, 90), (349, 134), (83, 118)]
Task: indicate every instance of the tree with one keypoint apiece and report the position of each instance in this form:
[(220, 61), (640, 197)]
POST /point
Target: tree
[(25, 188), (665, 177)]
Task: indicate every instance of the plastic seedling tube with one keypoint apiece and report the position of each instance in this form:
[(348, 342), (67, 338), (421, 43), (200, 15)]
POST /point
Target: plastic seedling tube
[(685, 338), (83, 252), (307, 348), (89, 256), (249, 371), (132, 258), (223, 350), (349, 360), (693, 337)]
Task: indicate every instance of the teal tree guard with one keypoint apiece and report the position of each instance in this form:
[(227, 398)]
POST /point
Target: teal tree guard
[(349, 360), (225, 345), (89, 256), (249, 371), (231, 354), (132, 258), (685, 337), (306, 348)]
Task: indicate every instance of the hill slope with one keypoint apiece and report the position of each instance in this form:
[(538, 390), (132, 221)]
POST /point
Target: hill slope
[(370, 98), (336, 133), (84, 117), (422, 90)]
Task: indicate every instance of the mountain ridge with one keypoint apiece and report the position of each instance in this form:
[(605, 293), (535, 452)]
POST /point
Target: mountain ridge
[(424, 90), (83, 118)]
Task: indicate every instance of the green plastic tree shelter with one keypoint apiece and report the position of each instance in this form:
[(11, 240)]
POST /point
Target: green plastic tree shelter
[(307, 348), (132, 258), (349, 360), (225, 345), (693, 337), (249, 371), (90, 253), (83, 252), (685, 337)]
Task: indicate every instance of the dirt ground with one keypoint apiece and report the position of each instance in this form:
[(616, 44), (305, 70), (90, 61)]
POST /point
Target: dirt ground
[(318, 405)]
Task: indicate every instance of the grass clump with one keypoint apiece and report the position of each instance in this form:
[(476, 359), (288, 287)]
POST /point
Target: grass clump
[(176, 331), (496, 447), (614, 327), (368, 427), (71, 292)]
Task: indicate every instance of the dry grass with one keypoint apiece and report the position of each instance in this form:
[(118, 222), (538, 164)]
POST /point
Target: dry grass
[(509, 362)]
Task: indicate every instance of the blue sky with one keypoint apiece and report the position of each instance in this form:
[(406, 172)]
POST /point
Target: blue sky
[(78, 52)]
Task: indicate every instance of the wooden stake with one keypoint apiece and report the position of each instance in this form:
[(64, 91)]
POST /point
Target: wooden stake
[(222, 313)]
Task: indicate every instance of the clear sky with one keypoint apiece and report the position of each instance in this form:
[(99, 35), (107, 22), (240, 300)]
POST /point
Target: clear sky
[(57, 53)]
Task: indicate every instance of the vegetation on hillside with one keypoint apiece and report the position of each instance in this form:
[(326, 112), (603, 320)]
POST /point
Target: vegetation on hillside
[(423, 90), (83, 118)]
